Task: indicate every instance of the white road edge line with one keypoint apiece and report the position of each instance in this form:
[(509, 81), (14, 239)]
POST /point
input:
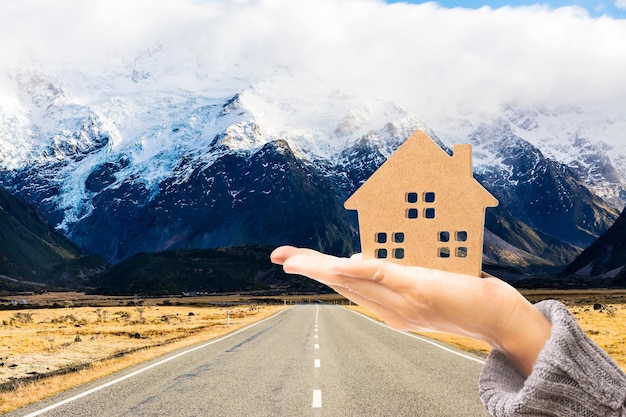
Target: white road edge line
[(423, 339), (317, 398), (154, 365)]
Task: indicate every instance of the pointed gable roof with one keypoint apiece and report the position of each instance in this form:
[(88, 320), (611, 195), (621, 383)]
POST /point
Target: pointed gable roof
[(420, 159)]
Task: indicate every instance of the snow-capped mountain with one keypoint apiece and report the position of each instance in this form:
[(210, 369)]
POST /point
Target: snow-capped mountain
[(125, 162), (590, 143)]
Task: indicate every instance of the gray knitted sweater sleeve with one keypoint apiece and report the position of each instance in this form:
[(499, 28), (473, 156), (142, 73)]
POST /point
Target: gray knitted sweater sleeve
[(571, 377)]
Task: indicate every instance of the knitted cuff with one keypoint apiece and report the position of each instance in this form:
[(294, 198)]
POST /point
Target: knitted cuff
[(571, 377)]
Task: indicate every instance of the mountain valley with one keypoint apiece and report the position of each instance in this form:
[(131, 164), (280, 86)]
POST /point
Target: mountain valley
[(143, 167)]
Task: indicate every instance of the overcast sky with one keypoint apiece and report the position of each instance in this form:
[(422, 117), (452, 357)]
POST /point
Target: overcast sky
[(416, 53)]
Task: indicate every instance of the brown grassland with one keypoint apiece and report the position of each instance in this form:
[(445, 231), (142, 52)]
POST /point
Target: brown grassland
[(78, 339), (60, 340)]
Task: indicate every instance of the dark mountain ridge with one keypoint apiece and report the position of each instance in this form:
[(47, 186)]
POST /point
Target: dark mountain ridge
[(267, 198), (222, 270), (606, 257), (31, 250), (546, 195)]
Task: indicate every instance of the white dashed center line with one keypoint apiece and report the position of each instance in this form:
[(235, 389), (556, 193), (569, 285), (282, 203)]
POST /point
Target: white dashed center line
[(317, 398), (317, 394)]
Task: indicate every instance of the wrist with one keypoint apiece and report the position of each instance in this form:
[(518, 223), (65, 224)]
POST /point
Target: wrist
[(524, 336)]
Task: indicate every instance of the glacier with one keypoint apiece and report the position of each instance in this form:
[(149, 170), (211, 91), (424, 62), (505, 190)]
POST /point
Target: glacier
[(69, 137)]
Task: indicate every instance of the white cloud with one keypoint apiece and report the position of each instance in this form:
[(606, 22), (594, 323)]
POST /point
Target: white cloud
[(620, 4), (417, 54)]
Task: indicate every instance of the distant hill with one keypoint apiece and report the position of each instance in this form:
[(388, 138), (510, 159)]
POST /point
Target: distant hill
[(620, 279), (524, 248), (221, 270), (31, 250), (605, 257)]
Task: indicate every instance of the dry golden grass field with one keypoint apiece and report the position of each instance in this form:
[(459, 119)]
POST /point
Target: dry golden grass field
[(94, 340), (80, 338)]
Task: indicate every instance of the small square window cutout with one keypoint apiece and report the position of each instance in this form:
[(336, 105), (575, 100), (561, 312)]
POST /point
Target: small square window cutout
[(461, 236), (461, 252), (444, 252), (444, 236), (429, 213), (381, 253), (398, 253), (429, 197), (411, 213), (381, 237), (398, 237), (411, 198)]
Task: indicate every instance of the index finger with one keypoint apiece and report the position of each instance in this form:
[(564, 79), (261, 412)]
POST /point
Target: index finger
[(333, 270), (388, 274)]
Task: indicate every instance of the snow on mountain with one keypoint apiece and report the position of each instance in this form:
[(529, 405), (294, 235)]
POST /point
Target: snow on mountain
[(53, 127), (590, 142), (152, 128), (16, 140), (122, 149)]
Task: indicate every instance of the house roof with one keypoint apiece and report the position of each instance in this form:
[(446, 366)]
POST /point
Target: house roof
[(420, 164)]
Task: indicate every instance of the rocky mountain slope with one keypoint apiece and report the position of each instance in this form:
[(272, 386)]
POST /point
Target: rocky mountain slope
[(32, 252), (126, 164), (606, 257)]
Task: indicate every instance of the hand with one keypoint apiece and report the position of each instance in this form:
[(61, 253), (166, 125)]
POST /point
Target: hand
[(420, 299)]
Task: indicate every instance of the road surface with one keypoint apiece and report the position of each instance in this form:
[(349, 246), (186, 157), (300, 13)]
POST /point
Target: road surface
[(309, 360)]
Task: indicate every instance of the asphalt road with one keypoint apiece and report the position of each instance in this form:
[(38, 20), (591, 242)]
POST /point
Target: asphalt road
[(310, 360)]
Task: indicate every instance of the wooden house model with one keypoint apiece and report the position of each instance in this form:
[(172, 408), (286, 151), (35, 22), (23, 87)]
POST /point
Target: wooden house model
[(423, 207)]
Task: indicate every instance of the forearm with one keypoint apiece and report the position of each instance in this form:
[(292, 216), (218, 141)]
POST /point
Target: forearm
[(524, 336), (510, 323)]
